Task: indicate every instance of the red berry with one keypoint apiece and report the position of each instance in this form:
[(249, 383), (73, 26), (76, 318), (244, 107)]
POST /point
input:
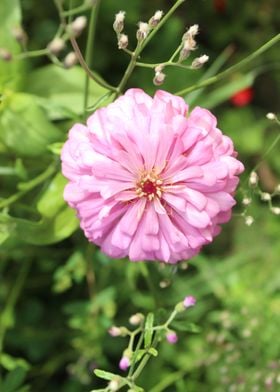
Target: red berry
[(242, 97), (220, 5)]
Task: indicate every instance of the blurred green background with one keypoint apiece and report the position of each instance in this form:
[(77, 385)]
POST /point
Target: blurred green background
[(59, 294)]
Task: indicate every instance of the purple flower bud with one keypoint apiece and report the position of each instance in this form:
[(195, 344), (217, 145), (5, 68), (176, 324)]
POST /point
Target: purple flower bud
[(124, 363), (189, 301), (171, 337)]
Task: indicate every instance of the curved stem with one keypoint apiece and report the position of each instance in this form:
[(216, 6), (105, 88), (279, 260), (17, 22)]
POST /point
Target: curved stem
[(89, 48), (141, 45), (232, 69)]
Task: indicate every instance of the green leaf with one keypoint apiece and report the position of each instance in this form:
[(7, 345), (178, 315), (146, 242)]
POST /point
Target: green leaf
[(10, 363), (224, 92), (13, 380), (185, 327), (148, 334), (64, 98), (24, 127), (105, 375), (153, 351), (10, 18)]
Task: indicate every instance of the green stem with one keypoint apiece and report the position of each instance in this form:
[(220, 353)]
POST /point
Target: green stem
[(26, 187), (77, 10), (11, 302), (33, 53), (144, 361), (141, 45), (89, 48), (232, 69), (165, 64)]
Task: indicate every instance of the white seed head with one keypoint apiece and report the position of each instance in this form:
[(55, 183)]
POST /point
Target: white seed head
[(118, 24), (153, 22), (123, 41), (275, 210), (199, 61), (249, 220), (189, 44), (265, 196), (79, 24), (56, 45), (70, 60), (246, 201), (142, 31), (271, 116), (253, 179), (191, 32), (159, 78)]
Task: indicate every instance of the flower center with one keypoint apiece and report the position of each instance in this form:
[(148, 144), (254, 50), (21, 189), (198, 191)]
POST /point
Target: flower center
[(149, 186)]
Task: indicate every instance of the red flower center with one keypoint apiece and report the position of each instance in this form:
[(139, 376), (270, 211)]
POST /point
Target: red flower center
[(149, 185)]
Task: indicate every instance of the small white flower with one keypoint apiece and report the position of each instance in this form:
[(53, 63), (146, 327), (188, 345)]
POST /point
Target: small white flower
[(249, 220), (271, 116)]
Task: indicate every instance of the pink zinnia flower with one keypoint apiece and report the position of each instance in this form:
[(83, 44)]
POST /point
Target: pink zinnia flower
[(147, 181)]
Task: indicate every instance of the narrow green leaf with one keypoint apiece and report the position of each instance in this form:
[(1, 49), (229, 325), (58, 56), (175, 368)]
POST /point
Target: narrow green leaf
[(185, 327), (105, 375), (148, 334), (13, 380)]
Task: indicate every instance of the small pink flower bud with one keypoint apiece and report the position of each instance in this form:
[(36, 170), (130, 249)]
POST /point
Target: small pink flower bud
[(199, 61), (20, 35), (171, 337), (79, 24), (153, 22), (159, 78), (56, 45), (189, 301), (136, 319), (114, 331), (124, 363), (5, 55), (123, 41), (118, 24), (70, 60), (143, 31)]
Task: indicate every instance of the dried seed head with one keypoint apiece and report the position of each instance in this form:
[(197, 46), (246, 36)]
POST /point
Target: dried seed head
[(188, 46), (78, 25), (118, 24), (122, 41), (142, 31), (159, 78), (56, 45), (70, 60), (153, 22), (5, 55), (199, 61)]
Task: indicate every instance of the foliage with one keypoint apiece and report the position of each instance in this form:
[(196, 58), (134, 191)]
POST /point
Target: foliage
[(59, 295)]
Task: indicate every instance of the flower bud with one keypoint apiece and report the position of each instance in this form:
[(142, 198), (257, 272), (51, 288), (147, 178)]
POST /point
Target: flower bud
[(118, 24), (114, 331), (265, 196), (189, 301), (114, 385), (199, 61), (171, 337), (143, 31), (56, 45), (124, 363), (246, 201), (70, 60), (20, 35), (249, 220), (159, 78), (188, 46), (271, 116), (5, 55), (275, 210), (78, 25), (123, 41), (153, 22), (253, 179), (136, 319)]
